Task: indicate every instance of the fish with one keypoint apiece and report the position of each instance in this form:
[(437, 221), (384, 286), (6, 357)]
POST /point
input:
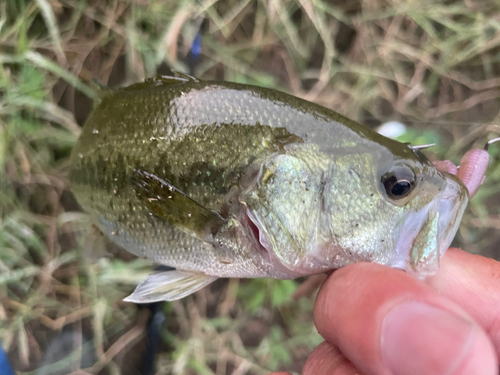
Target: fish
[(226, 180)]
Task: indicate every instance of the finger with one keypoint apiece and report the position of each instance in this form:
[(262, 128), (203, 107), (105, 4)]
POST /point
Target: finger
[(387, 322), (473, 282), (328, 360)]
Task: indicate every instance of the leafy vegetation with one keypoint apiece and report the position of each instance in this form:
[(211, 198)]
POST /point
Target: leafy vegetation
[(431, 64)]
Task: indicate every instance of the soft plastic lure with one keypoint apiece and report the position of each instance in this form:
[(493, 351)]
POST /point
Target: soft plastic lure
[(472, 169)]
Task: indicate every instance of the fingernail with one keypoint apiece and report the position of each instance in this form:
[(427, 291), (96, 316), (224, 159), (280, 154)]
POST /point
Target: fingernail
[(421, 339)]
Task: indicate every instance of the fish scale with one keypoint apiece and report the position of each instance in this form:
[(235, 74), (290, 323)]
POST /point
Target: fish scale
[(104, 161), (220, 179)]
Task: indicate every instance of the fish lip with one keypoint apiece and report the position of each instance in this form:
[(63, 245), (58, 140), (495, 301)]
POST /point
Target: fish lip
[(412, 225), (449, 207)]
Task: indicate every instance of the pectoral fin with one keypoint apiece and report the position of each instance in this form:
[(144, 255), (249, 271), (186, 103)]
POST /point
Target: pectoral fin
[(169, 286), (172, 205)]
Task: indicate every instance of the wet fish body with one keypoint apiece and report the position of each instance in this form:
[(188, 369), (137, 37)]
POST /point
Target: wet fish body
[(229, 180)]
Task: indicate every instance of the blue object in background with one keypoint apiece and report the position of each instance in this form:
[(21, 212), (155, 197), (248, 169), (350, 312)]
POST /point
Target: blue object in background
[(153, 337), (5, 368), (195, 50), (196, 46), (194, 53)]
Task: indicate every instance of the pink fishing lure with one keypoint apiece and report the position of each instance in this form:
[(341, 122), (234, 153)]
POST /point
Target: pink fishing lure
[(472, 169)]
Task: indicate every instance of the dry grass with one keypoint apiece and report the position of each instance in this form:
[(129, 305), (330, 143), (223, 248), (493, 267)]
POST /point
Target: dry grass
[(432, 64)]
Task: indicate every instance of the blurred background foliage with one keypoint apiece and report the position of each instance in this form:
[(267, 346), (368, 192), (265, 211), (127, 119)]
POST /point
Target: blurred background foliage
[(431, 64)]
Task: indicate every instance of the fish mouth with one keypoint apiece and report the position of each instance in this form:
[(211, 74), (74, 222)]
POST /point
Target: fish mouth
[(451, 207), (428, 233)]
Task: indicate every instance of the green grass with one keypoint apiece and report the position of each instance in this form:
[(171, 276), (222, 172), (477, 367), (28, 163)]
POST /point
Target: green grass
[(434, 65)]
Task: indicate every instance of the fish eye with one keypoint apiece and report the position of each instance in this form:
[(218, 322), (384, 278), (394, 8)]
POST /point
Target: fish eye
[(398, 182)]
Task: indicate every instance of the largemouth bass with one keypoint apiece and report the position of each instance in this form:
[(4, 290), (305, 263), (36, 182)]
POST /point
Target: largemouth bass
[(229, 180)]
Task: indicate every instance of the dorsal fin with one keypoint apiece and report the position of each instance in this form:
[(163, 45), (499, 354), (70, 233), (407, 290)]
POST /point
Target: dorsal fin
[(100, 90), (174, 79), (172, 205)]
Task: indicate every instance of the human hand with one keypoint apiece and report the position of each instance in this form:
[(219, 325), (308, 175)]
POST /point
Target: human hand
[(378, 320)]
